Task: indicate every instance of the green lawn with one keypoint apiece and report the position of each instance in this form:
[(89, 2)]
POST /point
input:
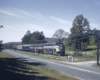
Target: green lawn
[(18, 69)]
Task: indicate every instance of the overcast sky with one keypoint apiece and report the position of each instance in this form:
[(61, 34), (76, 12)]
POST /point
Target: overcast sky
[(18, 16)]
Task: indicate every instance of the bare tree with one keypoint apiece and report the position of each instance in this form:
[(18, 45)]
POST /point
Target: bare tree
[(60, 34)]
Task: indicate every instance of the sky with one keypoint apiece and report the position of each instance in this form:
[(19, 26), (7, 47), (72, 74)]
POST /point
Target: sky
[(18, 16)]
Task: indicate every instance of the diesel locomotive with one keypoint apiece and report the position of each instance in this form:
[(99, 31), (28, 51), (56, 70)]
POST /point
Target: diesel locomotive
[(46, 48)]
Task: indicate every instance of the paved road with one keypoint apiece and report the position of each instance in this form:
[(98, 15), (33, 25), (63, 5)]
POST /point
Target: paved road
[(81, 72)]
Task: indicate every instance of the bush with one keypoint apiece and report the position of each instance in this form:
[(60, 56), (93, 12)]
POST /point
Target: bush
[(77, 53)]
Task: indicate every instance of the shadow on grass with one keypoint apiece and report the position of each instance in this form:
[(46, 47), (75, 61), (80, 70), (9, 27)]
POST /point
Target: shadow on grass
[(16, 69)]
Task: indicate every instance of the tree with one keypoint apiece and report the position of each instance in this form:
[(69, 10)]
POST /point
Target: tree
[(26, 39), (1, 40), (70, 41), (28, 33), (35, 37), (1, 26), (93, 37), (93, 40), (65, 41), (80, 25), (1, 45), (60, 34), (80, 32)]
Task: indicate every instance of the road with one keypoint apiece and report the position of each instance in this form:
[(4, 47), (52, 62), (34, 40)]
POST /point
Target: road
[(78, 71)]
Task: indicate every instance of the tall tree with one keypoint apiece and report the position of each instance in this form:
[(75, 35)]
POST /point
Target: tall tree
[(80, 32), (26, 39), (35, 37), (65, 42), (93, 37), (93, 40), (60, 34), (28, 33)]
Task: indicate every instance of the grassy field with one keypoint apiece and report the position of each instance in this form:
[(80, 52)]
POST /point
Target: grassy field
[(86, 56), (5, 55), (18, 69), (46, 56)]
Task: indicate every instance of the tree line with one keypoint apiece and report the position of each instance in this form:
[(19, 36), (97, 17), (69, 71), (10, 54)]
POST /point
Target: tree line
[(35, 37)]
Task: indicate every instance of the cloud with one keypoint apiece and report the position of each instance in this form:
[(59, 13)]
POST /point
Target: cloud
[(64, 22), (36, 22), (36, 15), (36, 27), (25, 27), (9, 13)]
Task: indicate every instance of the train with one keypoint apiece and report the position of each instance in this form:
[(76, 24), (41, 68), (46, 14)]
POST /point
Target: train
[(46, 48)]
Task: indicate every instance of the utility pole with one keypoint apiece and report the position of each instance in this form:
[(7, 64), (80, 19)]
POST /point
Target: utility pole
[(97, 47)]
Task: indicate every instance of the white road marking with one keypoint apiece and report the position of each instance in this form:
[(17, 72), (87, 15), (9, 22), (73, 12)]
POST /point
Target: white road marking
[(56, 63)]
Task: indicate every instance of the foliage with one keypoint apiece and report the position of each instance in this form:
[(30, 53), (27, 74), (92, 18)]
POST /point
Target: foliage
[(28, 33), (77, 53), (80, 25), (65, 41), (79, 37), (0, 46), (91, 48), (35, 37), (92, 40), (26, 39), (60, 34), (1, 26)]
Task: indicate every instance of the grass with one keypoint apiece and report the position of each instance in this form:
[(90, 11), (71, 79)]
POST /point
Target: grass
[(18, 69), (86, 55), (95, 65), (5, 55), (46, 56), (77, 58), (92, 47)]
